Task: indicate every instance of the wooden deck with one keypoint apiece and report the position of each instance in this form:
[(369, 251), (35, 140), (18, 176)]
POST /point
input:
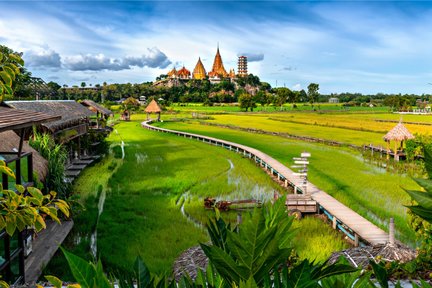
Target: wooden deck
[(354, 225), (44, 247)]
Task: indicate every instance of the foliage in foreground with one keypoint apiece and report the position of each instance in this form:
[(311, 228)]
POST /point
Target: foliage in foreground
[(253, 254), (421, 214)]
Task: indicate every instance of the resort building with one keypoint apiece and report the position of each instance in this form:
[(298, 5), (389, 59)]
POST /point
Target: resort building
[(242, 66)]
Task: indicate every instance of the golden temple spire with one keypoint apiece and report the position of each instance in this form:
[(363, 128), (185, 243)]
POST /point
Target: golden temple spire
[(218, 68), (199, 71)]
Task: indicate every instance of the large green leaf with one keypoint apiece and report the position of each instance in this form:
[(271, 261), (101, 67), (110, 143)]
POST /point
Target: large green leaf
[(380, 274), (17, 59), (422, 212), (428, 160), (425, 183), (142, 273), (57, 283), (7, 80), (422, 198), (224, 264), (301, 277), (83, 272)]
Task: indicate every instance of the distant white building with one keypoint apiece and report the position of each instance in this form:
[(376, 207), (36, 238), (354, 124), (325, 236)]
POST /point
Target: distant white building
[(334, 100)]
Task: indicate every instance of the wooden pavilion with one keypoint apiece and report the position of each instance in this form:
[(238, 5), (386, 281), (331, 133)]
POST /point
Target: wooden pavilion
[(398, 135), (153, 107), (20, 158)]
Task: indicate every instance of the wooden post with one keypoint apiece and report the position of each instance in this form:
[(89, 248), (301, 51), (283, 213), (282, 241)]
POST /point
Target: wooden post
[(334, 222), (388, 150), (356, 240), (286, 183), (295, 190), (392, 232), (396, 156)]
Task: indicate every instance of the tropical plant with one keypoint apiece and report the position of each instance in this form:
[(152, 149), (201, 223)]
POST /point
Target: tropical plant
[(19, 210), (56, 156), (10, 64)]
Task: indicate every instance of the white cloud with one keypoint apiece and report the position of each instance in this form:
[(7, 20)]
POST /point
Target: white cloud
[(154, 59), (42, 59)]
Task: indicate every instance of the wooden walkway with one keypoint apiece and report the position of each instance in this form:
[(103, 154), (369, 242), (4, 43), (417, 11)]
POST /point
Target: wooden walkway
[(360, 230), (44, 248)]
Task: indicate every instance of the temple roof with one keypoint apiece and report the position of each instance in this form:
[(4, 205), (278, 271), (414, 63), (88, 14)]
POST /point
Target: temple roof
[(183, 72), (218, 68), (173, 72), (199, 71)]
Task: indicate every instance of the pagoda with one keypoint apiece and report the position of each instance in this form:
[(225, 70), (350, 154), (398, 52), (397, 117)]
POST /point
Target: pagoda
[(172, 73), (183, 73), (218, 68), (199, 71)]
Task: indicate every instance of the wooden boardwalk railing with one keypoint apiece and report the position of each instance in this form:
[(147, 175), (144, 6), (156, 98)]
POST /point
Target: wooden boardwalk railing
[(359, 229)]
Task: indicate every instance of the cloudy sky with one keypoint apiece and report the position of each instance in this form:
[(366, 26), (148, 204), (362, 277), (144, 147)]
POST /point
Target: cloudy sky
[(345, 46)]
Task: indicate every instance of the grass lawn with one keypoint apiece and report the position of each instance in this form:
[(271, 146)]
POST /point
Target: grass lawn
[(155, 195), (373, 193)]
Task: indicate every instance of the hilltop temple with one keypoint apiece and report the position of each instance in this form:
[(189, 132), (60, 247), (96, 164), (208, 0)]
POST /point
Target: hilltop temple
[(217, 73)]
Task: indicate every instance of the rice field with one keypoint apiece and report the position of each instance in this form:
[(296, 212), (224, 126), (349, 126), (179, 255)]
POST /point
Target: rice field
[(372, 192), (151, 202)]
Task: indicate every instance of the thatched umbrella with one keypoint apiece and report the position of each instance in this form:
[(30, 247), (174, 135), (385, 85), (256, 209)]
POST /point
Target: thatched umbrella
[(10, 141), (398, 134), (360, 256), (189, 262), (388, 252), (153, 107)]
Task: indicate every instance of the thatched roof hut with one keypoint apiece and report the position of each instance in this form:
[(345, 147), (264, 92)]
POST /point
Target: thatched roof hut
[(9, 143), (360, 256), (93, 106), (398, 133), (71, 112), (153, 107)]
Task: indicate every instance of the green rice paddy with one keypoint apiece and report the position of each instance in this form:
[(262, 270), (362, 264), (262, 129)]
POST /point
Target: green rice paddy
[(151, 202), (370, 191)]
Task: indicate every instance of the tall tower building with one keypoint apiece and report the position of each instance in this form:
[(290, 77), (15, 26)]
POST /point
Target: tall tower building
[(242, 66)]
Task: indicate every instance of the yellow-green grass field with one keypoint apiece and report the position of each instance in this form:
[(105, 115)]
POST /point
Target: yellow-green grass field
[(341, 172)]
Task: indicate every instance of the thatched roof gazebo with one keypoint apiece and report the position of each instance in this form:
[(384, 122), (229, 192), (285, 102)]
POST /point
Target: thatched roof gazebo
[(153, 107), (398, 135)]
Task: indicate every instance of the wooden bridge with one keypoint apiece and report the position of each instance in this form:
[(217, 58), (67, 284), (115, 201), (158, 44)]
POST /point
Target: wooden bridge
[(360, 230)]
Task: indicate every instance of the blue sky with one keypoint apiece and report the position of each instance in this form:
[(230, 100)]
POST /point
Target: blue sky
[(345, 46)]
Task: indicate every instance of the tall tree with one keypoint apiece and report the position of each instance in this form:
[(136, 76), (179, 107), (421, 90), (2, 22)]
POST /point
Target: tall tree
[(313, 92)]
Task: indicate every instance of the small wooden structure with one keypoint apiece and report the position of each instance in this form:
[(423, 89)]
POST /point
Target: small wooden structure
[(398, 135), (153, 107), (102, 113), (125, 116), (297, 204)]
